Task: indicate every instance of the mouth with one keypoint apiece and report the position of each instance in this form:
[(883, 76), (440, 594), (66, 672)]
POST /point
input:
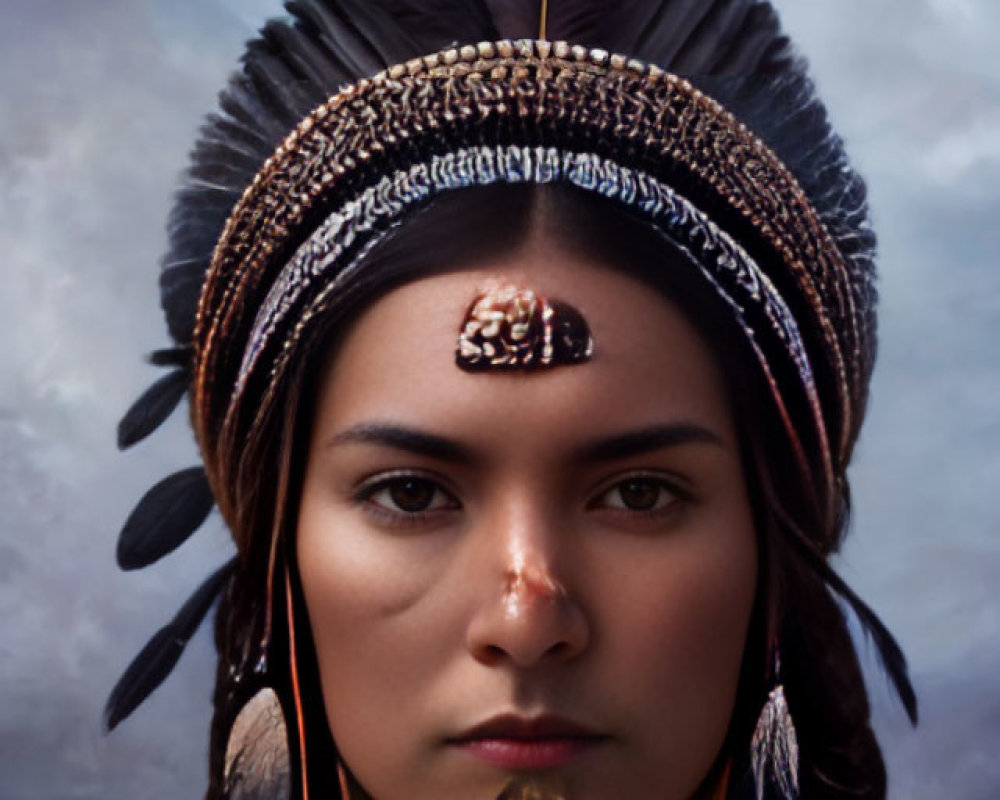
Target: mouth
[(528, 743)]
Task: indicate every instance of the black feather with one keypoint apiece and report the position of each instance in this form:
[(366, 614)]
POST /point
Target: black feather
[(714, 35), (246, 109), (179, 356), (165, 517), (278, 87), (327, 25), (669, 29), (312, 64), (180, 288), (515, 19), (592, 23), (760, 48), (390, 42), (890, 653), (152, 408), (436, 24), (155, 661), (691, 37)]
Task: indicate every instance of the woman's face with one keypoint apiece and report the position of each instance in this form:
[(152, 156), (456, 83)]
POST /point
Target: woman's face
[(509, 574)]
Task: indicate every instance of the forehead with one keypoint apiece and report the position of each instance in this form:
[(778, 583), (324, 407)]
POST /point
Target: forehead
[(649, 365)]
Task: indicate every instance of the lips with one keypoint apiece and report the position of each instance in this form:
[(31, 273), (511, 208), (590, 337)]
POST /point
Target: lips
[(528, 743)]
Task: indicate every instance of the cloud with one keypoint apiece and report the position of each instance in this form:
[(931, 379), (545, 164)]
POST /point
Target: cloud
[(97, 110), (956, 157)]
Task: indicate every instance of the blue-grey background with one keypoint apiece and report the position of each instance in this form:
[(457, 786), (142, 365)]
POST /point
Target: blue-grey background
[(99, 103)]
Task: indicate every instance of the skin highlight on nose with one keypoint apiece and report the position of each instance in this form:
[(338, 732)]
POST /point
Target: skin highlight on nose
[(532, 621), (527, 584)]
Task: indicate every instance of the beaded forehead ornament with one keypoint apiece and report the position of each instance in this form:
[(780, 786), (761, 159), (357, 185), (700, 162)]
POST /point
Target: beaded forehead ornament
[(511, 328)]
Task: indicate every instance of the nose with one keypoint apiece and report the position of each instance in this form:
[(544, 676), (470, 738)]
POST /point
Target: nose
[(527, 616)]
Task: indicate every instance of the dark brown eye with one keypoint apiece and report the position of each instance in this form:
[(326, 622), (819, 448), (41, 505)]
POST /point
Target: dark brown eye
[(412, 495), (407, 494), (639, 494)]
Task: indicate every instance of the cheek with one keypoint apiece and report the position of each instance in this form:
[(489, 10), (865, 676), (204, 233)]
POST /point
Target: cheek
[(353, 574), (675, 626), (369, 599), (690, 626)]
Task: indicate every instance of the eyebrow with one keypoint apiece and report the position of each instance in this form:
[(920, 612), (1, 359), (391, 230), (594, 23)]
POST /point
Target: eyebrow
[(648, 440), (408, 439), (620, 446)]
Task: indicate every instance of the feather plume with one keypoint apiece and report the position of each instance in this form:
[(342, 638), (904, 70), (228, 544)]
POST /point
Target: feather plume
[(152, 408), (165, 517), (156, 660), (732, 49)]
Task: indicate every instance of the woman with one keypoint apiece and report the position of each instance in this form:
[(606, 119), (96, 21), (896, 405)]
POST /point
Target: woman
[(526, 377)]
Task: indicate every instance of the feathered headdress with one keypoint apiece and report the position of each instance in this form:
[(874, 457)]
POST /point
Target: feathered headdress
[(695, 114)]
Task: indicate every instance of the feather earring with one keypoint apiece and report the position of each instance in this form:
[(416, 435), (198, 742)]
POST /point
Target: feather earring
[(257, 751), (774, 748)]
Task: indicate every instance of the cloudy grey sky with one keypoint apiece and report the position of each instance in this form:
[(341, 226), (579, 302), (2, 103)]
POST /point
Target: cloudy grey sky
[(99, 102)]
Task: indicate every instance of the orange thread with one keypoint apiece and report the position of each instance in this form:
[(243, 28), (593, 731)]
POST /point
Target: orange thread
[(295, 686), (345, 790), (722, 788), (281, 498)]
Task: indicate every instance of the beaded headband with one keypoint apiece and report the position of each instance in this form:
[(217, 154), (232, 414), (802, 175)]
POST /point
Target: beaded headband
[(536, 111)]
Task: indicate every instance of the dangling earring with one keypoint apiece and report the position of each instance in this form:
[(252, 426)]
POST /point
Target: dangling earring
[(257, 756), (256, 762), (774, 749)]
